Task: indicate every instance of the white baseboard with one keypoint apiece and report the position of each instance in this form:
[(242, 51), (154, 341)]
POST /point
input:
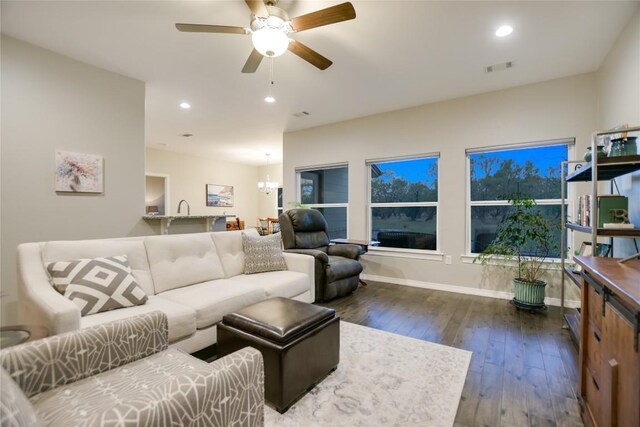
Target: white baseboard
[(461, 289)]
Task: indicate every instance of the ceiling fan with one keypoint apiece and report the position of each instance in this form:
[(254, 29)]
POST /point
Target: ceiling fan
[(270, 28)]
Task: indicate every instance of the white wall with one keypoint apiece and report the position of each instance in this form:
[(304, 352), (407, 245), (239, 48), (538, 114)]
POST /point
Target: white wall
[(550, 110), (619, 102), (188, 177), (51, 102)]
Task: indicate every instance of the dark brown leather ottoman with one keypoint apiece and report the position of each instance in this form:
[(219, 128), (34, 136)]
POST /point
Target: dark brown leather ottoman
[(300, 344)]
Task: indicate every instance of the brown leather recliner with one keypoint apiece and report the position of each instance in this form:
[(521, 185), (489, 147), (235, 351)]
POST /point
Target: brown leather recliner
[(337, 268)]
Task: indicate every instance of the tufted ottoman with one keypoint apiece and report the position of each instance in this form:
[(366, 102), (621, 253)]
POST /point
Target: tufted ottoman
[(299, 342)]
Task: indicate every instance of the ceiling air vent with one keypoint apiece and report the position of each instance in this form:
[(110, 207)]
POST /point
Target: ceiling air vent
[(301, 114), (498, 67)]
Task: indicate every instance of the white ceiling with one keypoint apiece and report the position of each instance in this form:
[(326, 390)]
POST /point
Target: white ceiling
[(395, 54)]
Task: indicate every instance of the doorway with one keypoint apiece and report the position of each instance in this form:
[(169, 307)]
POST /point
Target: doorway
[(156, 194)]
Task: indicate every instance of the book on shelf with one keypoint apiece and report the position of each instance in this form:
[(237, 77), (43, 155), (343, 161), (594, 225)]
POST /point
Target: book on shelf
[(612, 209), (584, 210), (614, 225)]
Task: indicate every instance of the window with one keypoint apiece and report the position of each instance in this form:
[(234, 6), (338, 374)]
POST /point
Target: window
[(403, 203), (279, 208), (497, 175), (326, 190)]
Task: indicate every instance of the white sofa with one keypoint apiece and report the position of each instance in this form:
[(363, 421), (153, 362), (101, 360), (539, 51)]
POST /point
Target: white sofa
[(193, 278)]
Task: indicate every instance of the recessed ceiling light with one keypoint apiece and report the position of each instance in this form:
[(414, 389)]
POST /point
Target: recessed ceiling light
[(185, 105), (505, 30), (269, 99)]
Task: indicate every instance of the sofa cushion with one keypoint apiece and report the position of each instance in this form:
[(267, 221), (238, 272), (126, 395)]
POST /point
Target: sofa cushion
[(182, 260), (287, 284), (133, 249), (15, 408), (167, 388), (229, 247), (212, 300), (98, 284), (262, 254), (181, 318)]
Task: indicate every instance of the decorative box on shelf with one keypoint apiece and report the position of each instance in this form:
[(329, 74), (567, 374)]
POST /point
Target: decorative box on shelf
[(608, 205)]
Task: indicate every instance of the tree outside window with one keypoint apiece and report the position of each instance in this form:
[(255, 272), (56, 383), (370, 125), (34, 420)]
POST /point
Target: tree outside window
[(404, 203), (498, 175)]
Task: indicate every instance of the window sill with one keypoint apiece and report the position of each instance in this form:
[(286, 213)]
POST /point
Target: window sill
[(549, 264), (405, 253)]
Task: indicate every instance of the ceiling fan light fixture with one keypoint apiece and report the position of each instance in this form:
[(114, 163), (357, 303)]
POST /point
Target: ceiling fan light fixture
[(270, 41)]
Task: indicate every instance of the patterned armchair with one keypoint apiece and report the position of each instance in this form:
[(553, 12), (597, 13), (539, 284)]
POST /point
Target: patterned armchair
[(122, 373)]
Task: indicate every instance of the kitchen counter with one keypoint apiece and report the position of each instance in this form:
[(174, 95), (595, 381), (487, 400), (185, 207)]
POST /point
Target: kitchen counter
[(211, 222)]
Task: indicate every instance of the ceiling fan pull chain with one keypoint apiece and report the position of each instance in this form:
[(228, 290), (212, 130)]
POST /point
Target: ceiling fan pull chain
[(271, 72), (270, 99)]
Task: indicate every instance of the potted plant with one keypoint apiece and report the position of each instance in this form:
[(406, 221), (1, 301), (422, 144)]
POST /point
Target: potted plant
[(524, 239)]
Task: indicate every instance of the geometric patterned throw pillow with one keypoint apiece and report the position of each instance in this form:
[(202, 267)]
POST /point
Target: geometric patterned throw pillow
[(262, 253), (98, 284)]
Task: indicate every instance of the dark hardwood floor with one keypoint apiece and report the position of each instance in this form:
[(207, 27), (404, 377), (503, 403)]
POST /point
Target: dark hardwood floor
[(523, 370)]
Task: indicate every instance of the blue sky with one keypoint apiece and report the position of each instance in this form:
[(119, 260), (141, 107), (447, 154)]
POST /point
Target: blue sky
[(411, 170), (542, 157)]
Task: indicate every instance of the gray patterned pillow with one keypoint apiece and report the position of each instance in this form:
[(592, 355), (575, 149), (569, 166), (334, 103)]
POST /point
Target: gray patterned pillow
[(98, 284), (262, 254)]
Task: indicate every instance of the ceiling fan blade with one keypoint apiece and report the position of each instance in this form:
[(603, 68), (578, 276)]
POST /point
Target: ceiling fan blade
[(330, 15), (252, 62), (309, 55), (200, 28), (258, 8)]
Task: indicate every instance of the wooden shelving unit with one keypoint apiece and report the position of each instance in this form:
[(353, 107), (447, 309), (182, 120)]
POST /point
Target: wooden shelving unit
[(573, 276), (573, 323), (606, 232), (608, 168), (603, 169), (609, 360), (572, 318)]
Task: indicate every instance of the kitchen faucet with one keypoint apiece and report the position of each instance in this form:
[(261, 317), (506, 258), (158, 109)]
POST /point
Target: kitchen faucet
[(188, 207)]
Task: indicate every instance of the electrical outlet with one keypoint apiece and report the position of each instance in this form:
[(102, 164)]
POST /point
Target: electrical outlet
[(447, 259)]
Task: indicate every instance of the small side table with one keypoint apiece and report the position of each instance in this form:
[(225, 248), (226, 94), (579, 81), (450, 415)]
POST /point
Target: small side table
[(364, 244), (18, 334)]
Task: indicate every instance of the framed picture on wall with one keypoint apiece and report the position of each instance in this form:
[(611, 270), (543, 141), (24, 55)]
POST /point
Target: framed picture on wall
[(78, 173), (586, 249), (219, 195)]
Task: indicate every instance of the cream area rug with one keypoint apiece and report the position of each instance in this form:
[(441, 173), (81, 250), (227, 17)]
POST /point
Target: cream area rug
[(383, 379)]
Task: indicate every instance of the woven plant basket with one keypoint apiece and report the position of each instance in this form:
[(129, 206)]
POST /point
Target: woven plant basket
[(530, 293)]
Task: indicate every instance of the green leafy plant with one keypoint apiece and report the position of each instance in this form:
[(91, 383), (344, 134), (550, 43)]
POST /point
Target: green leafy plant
[(297, 205), (525, 237)]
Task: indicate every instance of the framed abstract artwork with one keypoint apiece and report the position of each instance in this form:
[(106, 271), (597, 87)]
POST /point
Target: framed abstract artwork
[(586, 249), (219, 195), (79, 173)]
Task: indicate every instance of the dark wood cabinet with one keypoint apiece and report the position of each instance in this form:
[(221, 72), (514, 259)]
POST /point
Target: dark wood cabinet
[(609, 380)]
